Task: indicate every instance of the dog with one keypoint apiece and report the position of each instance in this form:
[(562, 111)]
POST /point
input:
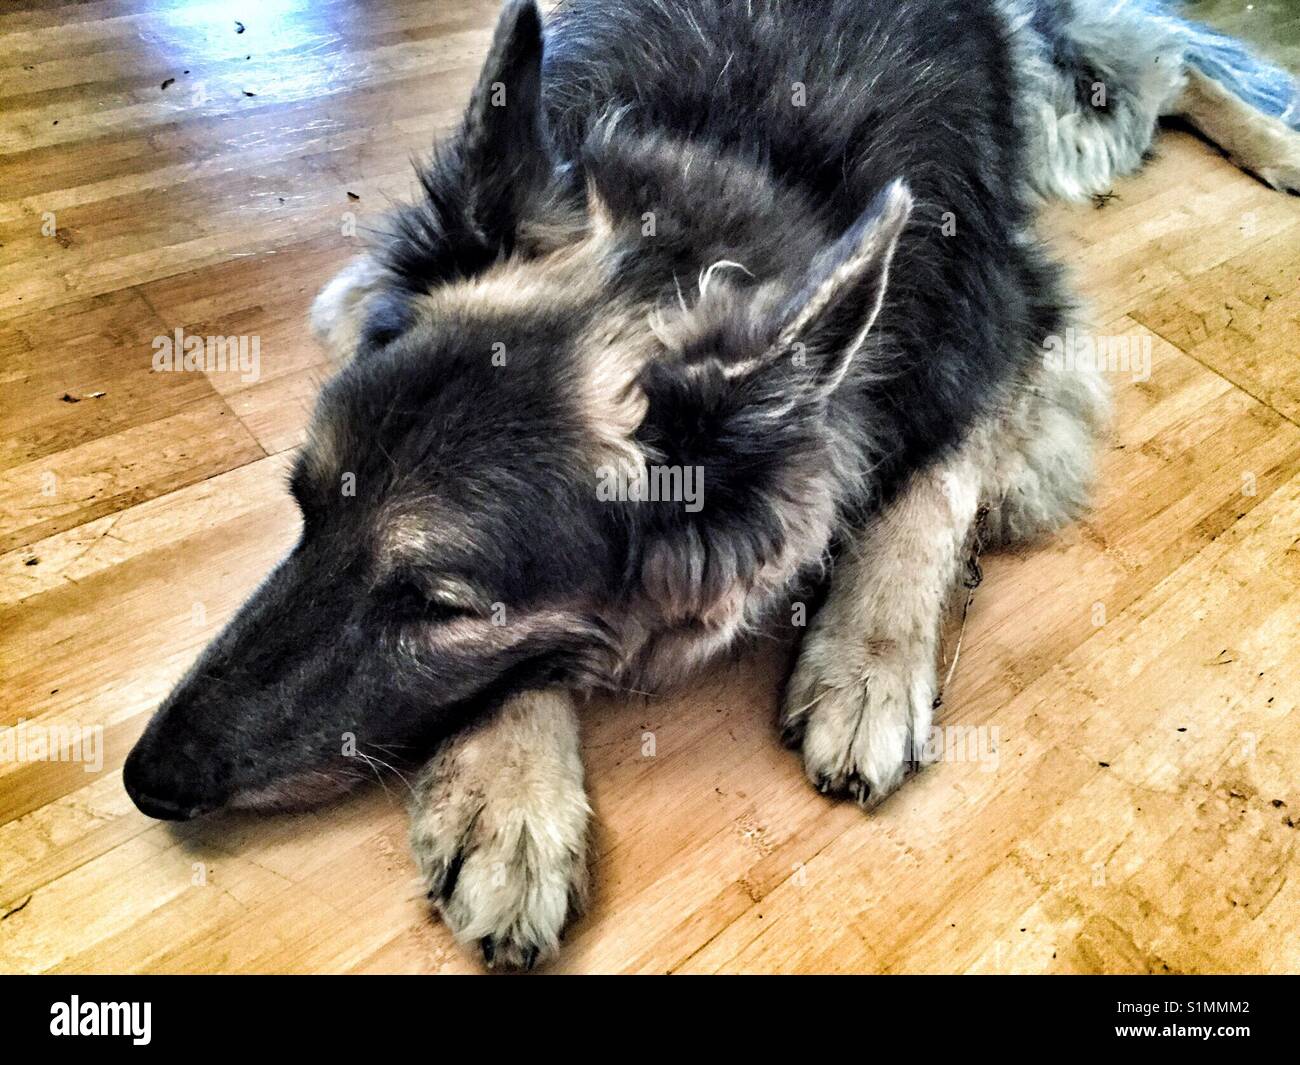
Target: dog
[(703, 308)]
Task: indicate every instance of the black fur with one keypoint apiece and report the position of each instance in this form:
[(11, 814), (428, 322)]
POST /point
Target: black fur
[(911, 90)]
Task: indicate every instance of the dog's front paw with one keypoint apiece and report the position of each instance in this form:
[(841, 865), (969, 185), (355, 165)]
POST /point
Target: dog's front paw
[(499, 831), (505, 872), (859, 711)]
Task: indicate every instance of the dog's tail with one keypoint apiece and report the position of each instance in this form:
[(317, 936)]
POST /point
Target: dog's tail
[(1266, 87)]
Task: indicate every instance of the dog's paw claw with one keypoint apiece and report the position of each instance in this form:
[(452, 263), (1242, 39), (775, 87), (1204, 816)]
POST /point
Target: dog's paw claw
[(505, 874), (510, 954), (442, 877), (858, 725)]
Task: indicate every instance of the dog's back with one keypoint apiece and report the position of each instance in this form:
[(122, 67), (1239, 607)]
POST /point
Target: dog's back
[(835, 100), (838, 98)]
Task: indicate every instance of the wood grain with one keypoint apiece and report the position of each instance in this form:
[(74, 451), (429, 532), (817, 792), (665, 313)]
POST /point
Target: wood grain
[(1139, 672)]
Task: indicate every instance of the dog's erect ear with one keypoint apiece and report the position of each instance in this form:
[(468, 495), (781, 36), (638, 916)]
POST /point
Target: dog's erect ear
[(480, 181), (504, 148), (752, 426), (751, 445), (825, 322)]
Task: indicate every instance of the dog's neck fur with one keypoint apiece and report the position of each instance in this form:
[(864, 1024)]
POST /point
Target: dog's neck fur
[(679, 284)]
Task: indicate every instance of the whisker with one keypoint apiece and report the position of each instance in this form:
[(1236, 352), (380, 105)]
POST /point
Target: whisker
[(372, 761)]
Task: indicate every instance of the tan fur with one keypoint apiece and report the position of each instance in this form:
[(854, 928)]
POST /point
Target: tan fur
[(612, 351), (339, 311), (504, 809), (865, 681), (864, 687), (613, 354), (486, 634), (567, 278), (1038, 456), (1255, 141), (563, 263), (405, 533)]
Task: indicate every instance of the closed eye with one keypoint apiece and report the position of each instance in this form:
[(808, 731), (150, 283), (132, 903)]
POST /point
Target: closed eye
[(408, 600)]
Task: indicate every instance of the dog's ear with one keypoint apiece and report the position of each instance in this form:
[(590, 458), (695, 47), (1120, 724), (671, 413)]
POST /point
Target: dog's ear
[(752, 459), (825, 322), (744, 407), (480, 181), (504, 148)]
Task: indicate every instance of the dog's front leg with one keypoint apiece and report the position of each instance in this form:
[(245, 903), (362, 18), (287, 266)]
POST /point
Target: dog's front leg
[(861, 697), (499, 828)]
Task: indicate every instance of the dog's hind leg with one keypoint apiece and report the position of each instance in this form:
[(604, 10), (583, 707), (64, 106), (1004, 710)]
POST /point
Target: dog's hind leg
[(1256, 142), (1039, 455), (1095, 76), (499, 829), (1246, 105), (1092, 82)]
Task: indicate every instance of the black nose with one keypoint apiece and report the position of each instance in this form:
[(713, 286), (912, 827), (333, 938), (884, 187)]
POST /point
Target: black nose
[(162, 809), (155, 790)]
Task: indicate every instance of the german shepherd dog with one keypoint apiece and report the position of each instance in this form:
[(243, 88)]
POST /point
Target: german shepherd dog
[(705, 306)]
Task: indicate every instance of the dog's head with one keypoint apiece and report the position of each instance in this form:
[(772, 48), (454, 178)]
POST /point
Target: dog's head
[(482, 492)]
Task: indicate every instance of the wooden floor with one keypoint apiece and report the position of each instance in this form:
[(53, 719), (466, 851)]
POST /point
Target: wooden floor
[(1140, 673)]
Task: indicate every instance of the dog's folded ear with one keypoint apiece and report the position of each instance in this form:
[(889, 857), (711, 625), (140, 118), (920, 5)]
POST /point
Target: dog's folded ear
[(825, 322), (503, 145)]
